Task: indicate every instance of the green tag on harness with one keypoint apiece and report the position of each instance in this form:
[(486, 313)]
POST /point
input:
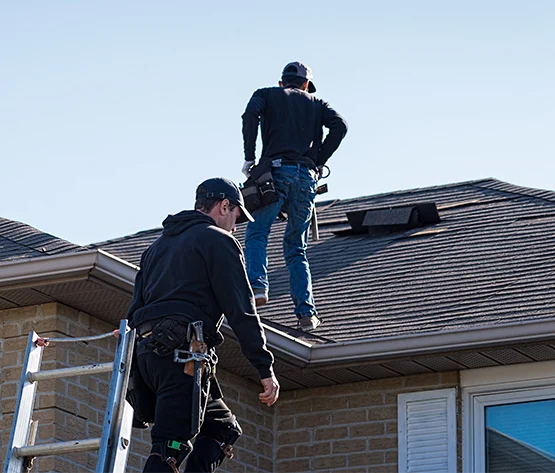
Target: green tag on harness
[(174, 444)]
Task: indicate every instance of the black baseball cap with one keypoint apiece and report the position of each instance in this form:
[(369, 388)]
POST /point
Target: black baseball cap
[(299, 69), (220, 188)]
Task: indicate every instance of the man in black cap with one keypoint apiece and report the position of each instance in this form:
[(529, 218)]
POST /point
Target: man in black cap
[(292, 122), (194, 272)]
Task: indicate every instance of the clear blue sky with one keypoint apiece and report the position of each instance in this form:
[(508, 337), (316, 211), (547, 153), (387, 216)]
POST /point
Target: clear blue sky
[(111, 112)]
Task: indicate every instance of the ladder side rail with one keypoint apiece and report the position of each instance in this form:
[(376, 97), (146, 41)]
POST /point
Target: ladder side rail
[(123, 417), (122, 440), (116, 397), (24, 409)]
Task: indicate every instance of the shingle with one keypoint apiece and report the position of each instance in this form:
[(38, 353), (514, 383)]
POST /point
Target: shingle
[(19, 241), (492, 263)]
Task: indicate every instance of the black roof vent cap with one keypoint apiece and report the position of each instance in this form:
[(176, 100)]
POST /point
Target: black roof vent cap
[(392, 219)]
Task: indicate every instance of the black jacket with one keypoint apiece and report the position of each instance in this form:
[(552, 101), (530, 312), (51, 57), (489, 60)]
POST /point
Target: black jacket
[(291, 122), (195, 270)]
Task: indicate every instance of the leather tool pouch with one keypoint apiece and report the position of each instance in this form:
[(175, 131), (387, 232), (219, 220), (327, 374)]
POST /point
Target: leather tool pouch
[(167, 336), (259, 190), (194, 347)]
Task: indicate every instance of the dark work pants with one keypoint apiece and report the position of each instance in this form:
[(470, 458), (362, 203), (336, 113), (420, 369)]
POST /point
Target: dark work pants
[(172, 414)]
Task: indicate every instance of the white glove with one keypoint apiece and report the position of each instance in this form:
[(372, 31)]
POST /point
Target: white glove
[(247, 168)]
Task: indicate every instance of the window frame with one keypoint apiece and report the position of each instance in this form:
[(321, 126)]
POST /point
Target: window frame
[(495, 386)]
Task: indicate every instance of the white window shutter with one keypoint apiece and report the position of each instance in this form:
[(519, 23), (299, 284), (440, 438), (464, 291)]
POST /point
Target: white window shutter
[(428, 431)]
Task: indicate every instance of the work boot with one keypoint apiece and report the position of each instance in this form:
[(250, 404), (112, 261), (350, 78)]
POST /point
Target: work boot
[(260, 296), (308, 323)]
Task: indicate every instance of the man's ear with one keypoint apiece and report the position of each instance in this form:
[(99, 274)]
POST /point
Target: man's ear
[(224, 205), (280, 84), (305, 86)]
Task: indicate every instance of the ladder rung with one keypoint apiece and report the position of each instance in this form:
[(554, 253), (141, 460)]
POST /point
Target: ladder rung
[(66, 372), (57, 448)]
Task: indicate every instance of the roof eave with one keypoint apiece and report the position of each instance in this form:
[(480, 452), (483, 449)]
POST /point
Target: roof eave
[(65, 267), (435, 342), (405, 346)]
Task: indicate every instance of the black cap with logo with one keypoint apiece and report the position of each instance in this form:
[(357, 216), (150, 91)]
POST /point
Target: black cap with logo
[(220, 188)]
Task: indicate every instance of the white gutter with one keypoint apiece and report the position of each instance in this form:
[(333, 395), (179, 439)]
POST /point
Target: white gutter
[(67, 267), (381, 349), (434, 342)]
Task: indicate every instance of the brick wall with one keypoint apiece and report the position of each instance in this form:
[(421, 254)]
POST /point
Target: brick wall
[(346, 428)]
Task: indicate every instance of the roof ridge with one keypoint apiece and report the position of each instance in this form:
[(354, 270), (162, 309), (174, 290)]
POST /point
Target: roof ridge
[(410, 191), (125, 237), (507, 187)]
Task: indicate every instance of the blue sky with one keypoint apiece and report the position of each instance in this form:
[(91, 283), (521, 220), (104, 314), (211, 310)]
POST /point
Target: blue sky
[(112, 112)]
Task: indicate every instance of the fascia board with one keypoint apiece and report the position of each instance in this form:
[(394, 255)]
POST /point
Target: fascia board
[(435, 342), (115, 271), (72, 266), (369, 350)]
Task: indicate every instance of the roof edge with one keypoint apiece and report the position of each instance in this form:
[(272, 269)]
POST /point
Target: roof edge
[(434, 342), (68, 266), (318, 355), (289, 348)]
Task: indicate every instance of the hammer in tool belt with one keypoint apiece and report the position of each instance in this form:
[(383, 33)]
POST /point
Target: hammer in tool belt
[(195, 368), (196, 359)]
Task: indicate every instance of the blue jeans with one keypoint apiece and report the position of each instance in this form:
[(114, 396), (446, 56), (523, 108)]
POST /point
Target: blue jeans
[(296, 187)]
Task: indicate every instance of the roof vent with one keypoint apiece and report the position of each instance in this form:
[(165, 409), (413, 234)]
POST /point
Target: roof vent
[(391, 219)]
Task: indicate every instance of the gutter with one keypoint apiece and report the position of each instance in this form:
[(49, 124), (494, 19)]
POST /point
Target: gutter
[(433, 343), (376, 350), (68, 267)]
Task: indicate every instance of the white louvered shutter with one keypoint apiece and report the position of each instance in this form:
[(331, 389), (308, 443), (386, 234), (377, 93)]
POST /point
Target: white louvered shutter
[(428, 432)]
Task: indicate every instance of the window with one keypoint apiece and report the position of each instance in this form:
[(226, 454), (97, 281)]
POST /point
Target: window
[(509, 419)]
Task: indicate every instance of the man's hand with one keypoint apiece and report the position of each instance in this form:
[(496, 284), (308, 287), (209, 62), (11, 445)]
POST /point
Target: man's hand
[(247, 168), (271, 391)]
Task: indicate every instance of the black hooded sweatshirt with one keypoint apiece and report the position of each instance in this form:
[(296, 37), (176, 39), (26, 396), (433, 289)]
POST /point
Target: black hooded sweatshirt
[(195, 271)]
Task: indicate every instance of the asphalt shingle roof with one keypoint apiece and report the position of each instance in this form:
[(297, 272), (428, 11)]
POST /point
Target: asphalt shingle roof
[(491, 260), (19, 241)]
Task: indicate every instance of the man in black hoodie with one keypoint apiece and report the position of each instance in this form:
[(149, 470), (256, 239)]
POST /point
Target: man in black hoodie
[(195, 271)]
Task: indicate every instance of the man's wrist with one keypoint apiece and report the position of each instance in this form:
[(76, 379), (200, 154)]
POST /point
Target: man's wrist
[(266, 372)]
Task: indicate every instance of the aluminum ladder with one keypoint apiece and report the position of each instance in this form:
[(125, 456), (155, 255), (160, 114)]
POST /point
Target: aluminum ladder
[(113, 446)]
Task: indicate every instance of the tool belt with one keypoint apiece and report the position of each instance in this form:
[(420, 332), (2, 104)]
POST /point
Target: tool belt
[(259, 189), (165, 336)]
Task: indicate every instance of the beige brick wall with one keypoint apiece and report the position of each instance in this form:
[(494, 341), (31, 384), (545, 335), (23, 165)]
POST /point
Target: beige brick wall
[(346, 428)]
